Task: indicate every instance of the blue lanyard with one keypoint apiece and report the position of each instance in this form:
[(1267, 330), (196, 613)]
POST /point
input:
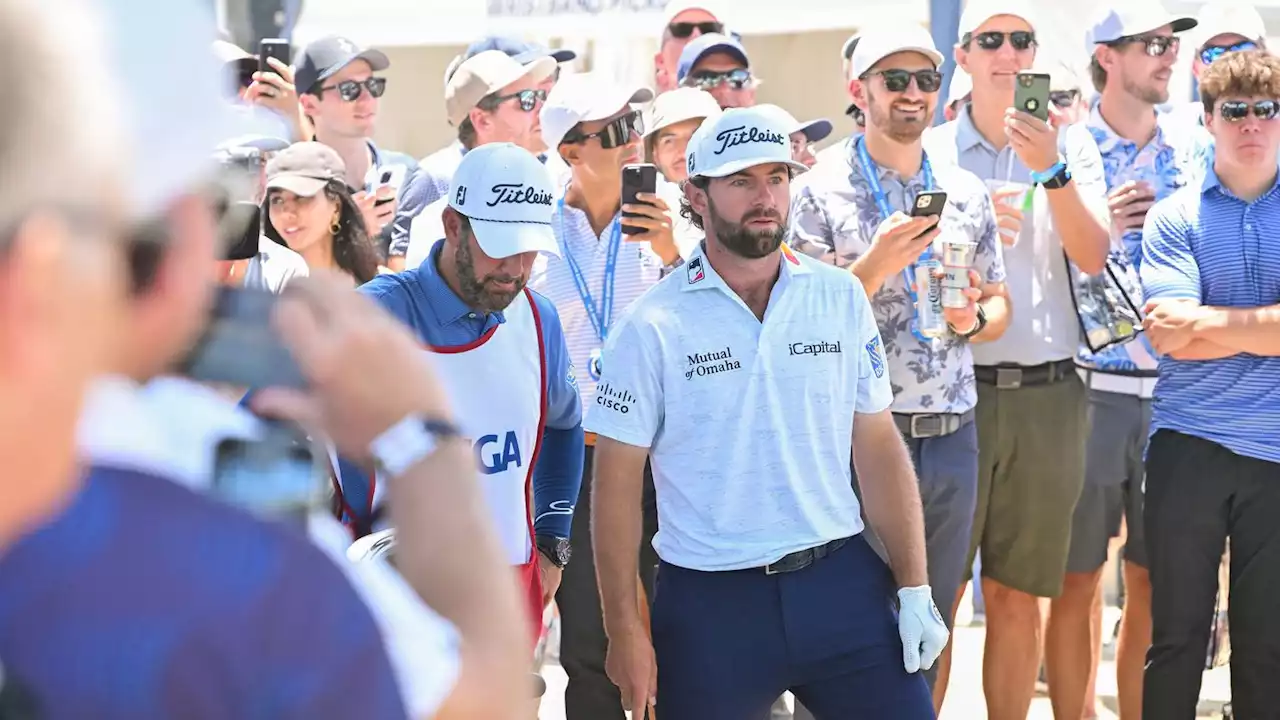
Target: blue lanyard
[(872, 174), (600, 317)]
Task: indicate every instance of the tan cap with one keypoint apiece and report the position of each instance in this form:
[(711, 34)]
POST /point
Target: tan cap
[(676, 106), (304, 168), (484, 74)]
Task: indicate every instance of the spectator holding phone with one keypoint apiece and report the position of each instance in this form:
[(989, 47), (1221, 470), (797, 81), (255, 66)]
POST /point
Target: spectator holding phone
[(340, 92), (310, 210), (859, 220)]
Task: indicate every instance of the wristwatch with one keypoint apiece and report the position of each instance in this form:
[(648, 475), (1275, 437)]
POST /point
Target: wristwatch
[(555, 549), (977, 326), (1053, 178), (406, 443)]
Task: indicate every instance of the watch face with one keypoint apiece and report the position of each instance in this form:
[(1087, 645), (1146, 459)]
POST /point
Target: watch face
[(557, 550)]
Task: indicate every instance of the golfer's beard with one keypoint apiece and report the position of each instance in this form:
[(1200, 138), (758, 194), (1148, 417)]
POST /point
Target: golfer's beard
[(747, 243)]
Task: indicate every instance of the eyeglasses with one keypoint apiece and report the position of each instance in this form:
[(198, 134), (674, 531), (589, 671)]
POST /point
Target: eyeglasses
[(1213, 52), (1155, 46), (685, 29), (349, 90), (1064, 98), (616, 134), (1237, 110), (529, 99), (1019, 39), (736, 79), (929, 81)]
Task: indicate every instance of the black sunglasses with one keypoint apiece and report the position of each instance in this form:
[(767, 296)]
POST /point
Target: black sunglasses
[(349, 90), (993, 40), (1154, 46), (736, 79), (1237, 110), (616, 134), (529, 99), (929, 81), (1064, 98), (685, 29)]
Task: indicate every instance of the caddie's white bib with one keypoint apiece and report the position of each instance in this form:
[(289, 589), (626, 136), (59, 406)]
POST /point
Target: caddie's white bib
[(497, 386)]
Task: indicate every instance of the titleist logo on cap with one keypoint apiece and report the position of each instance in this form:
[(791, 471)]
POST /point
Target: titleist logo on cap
[(742, 135), (517, 193)]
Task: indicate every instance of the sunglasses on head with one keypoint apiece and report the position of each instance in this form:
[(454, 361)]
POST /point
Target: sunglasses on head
[(683, 30), (616, 134), (929, 81), (1213, 52), (350, 90), (1154, 46), (736, 79), (1019, 39), (529, 99), (1237, 110), (1064, 98)]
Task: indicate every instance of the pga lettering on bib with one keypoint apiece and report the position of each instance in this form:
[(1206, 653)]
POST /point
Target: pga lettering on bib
[(497, 453)]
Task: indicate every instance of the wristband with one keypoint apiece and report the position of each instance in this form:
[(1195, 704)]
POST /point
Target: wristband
[(1040, 178)]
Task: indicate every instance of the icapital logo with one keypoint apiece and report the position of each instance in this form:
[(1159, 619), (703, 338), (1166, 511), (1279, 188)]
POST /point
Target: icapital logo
[(821, 347)]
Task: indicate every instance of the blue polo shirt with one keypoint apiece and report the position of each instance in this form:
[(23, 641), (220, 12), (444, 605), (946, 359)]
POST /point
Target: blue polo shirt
[(142, 599), (421, 299), (1205, 244)]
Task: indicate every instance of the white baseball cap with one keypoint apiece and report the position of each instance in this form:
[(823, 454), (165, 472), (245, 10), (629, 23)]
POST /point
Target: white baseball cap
[(961, 84), (1134, 17), (977, 12), (484, 74), (507, 195), (1229, 17), (876, 45), (585, 97), (677, 106), (738, 139)]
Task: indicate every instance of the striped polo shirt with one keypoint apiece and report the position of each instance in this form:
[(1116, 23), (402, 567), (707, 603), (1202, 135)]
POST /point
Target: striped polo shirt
[(1205, 244), (638, 268)]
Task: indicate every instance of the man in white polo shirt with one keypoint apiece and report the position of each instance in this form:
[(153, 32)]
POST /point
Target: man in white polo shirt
[(743, 376)]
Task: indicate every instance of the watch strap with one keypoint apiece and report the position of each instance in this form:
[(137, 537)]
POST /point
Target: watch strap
[(978, 327), (406, 443)]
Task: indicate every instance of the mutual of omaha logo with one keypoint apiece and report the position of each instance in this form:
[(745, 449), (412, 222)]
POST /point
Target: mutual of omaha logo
[(822, 347), (695, 271), (876, 356), (461, 197), (711, 363), (741, 135), (518, 194), (620, 401)]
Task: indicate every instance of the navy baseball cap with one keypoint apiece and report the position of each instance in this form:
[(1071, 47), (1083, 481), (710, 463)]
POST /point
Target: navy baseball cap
[(326, 56), (705, 45)]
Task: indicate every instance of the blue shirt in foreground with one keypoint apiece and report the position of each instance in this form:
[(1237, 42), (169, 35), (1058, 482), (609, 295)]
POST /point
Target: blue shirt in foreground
[(145, 600), (421, 299), (1205, 244)]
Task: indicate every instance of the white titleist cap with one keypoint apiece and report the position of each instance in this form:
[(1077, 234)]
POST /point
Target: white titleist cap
[(506, 193), (738, 139)]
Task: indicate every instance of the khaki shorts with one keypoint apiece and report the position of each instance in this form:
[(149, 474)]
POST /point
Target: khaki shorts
[(1030, 472)]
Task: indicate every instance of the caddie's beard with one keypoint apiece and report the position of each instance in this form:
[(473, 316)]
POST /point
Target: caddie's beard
[(738, 239), (480, 293)]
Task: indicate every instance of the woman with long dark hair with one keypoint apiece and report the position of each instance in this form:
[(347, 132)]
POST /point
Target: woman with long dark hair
[(308, 208)]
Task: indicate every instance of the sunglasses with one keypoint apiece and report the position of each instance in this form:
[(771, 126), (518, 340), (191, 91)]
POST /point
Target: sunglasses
[(616, 134), (1064, 98), (708, 79), (1155, 46), (350, 90), (1019, 39), (1213, 52), (1237, 110), (685, 29), (529, 99), (929, 81)]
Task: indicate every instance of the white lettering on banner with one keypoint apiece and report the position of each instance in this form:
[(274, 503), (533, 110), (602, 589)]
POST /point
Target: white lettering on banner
[(530, 8)]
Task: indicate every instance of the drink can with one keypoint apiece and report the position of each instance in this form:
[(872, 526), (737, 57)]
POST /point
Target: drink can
[(957, 259), (929, 319)]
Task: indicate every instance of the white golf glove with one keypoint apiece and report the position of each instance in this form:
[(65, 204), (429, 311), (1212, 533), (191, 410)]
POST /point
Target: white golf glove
[(923, 632)]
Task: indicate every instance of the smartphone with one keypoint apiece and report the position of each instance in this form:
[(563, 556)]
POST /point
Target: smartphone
[(277, 48), (636, 179), (240, 347), (276, 475), (392, 177), (1031, 94), (929, 203)]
